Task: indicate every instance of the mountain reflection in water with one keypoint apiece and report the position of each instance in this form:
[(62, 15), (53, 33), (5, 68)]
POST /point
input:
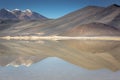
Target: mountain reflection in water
[(51, 60)]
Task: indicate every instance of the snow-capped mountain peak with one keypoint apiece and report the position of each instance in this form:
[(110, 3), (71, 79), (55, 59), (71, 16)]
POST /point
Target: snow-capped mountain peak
[(28, 10), (20, 14)]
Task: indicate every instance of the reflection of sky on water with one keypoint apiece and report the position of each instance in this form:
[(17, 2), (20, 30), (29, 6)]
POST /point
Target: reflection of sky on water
[(55, 69)]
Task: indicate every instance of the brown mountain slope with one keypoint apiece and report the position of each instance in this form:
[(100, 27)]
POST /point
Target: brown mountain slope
[(108, 15), (86, 15), (58, 25), (93, 29)]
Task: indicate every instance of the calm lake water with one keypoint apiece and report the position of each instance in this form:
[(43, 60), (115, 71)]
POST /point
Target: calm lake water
[(59, 60)]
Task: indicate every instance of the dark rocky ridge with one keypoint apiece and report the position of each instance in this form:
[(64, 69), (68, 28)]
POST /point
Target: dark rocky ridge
[(116, 5)]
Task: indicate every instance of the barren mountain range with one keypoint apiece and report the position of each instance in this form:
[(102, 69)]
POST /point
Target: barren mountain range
[(88, 21)]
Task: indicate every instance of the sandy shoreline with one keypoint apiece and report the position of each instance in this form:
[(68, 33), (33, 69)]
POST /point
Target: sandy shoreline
[(114, 38)]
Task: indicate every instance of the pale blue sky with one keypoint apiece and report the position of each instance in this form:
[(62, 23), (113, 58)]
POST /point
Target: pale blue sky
[(54, 8)]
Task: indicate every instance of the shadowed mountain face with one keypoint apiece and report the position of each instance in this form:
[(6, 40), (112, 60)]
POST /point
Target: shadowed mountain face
[(5, 14), (92, 14)]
